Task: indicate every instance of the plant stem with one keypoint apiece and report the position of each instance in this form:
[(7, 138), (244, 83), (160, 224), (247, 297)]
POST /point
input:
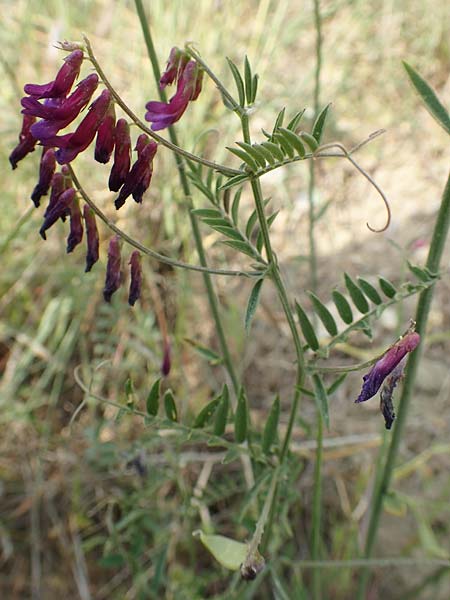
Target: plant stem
[(212, 298), (311, 184), (317, 508), (423, 309)]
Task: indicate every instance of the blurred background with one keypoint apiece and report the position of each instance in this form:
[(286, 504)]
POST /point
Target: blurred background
[(98, 506)]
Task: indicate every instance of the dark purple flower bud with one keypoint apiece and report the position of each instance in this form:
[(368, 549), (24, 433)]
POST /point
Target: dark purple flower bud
[(71, 144), (59, 209), (92, 237), (386, 405), (59, 112), (63, 81), (175, 67), (386, 364), (136, 278), (104, 145), (57, 189), (138, 179), (166, 362), (46, 170), (113, 274), (76, 227), (122, 156), (160, 114), (26, 144)]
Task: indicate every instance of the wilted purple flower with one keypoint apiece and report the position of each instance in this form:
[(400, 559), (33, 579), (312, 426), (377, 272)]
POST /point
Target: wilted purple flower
[(104, 145), (138, 179), (91, 236), (174, 68), (63, 81), (46, 170), (386, 405), (386, 364), (76, 227), (160, 114), (136, 278), (26, 144), (58, 113), (59, 209), (166, 362), (122, 156), (71, 144), (113, 274)]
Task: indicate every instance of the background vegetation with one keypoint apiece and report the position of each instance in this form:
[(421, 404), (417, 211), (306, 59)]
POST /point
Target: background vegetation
[(98, 506)]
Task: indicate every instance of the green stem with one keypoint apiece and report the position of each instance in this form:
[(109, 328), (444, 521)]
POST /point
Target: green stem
[(212, 298), (317, 508), (423, 309), (311, 184)]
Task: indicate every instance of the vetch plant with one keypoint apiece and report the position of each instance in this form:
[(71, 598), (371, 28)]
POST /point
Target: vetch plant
[(226, 420)]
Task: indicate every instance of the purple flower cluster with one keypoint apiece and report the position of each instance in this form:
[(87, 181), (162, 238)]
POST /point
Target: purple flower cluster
[(49, 108), (188, 76)]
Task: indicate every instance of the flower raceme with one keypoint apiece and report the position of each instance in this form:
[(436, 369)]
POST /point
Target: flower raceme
[(138, 179), (386, 365), (189, 85)]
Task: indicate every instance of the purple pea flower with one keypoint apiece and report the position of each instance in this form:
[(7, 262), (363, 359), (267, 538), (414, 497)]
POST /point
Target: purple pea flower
[(76, 227), (58, 186), (59, 209), (160, 114), (58, 113), (138, 179), (386, 364), (46, 170), (27, 141), (104, 144), (136, 278), (91, 236), (71, 144), (174, 68), (113, 273), (63, 81), (122, 156)]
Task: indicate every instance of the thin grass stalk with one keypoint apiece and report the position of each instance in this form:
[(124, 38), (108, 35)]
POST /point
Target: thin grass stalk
[(212, 298), (422, 313), (317, 509)]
